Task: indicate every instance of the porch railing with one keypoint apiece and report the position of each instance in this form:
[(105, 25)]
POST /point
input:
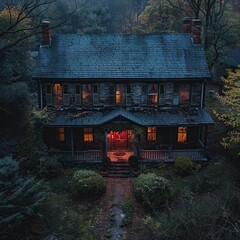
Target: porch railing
[(78, 156), (165, 155)]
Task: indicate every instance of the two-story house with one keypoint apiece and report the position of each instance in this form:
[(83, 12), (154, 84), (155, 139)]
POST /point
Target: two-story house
[(142, 94)]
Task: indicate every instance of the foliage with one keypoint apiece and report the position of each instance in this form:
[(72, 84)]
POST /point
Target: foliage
[(19, 197), (14, 102), (183, 166), (229, 113), (50, 166), (151, 189), (160, 16), (128, 210), (133, 162), (213, 217), (87, 183), (206, 180)]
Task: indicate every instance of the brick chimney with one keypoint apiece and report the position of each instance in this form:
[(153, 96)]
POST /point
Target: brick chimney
[(46, 37), (187, 25), (196, 31)]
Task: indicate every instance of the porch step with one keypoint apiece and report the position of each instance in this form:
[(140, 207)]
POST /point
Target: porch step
[(119, 170)]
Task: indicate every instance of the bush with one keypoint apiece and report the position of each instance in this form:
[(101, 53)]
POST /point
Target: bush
[(151, 189), (106, 163), (87, 183), (133, 162), (50, 166), (183, 166)]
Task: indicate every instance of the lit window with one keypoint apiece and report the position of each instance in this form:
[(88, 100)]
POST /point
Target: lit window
[(57, 94), (152, 134), (88, 134), (60, 135), (153, 94), (182, 135), (86, 95), (120, 95), (184, 94)]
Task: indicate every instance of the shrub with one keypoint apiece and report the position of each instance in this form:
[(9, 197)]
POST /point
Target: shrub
[(87, 183), (151, 189), (183, 166), (133, 162), (50, 166), (106, 163)]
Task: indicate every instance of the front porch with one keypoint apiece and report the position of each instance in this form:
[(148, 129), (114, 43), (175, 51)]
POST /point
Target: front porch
[(146, 156)]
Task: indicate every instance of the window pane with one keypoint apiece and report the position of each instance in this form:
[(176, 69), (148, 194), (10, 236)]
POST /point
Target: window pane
[(88, 135), (184, 94), (57, 94), (86, 95), (152, 134), (182, 135), (60, 135), (120, 98)]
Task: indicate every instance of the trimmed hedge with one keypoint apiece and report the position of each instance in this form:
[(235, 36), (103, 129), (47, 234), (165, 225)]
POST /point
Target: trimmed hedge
[(151, 189), (183, 166), (87, 183)]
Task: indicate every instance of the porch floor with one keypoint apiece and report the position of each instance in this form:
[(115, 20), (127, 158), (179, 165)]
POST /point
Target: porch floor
[(120, 155)]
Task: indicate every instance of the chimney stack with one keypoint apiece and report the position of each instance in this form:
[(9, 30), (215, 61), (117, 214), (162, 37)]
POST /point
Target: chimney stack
[(46, 38), (186, 25), (196, 31)]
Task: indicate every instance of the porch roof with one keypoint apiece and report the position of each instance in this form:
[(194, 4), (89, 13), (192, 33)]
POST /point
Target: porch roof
[(150, 117)]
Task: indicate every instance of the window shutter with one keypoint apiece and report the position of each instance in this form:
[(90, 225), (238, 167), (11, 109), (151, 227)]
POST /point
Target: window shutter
[(77, 95), (95, 95), (49, 99), (129, 95), (65, 95)]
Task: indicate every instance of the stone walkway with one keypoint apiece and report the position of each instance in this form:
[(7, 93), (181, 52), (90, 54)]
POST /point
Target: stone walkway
[(109, 221)]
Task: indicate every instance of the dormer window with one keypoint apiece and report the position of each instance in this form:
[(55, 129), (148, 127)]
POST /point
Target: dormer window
[(153, 94)]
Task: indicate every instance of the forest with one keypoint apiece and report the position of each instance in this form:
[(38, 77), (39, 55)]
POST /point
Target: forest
[(39, 195)]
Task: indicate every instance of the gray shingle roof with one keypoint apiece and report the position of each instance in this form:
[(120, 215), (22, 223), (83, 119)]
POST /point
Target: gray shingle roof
[(143, 118), (122, 56)]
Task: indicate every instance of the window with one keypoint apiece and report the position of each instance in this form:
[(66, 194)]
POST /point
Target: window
[(120, 99), (112, 96), (182, 135), (88, 135), (86, 95), (60, 135), (152, 134), (184, 94), (153, 94), (57, 94)]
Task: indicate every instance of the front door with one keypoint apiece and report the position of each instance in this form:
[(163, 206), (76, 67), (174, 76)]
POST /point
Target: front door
[(119, 140)]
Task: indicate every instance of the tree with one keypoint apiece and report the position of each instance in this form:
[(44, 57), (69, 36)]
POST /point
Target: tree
[(220, 25), (229, 113), (19, 197)]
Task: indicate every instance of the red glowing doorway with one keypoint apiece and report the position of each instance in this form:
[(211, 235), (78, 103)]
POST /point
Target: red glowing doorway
[(120, 140)]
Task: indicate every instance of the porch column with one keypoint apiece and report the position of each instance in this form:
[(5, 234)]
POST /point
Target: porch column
[(170, 146), (205, 137), (72, 142), (105, 145)]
